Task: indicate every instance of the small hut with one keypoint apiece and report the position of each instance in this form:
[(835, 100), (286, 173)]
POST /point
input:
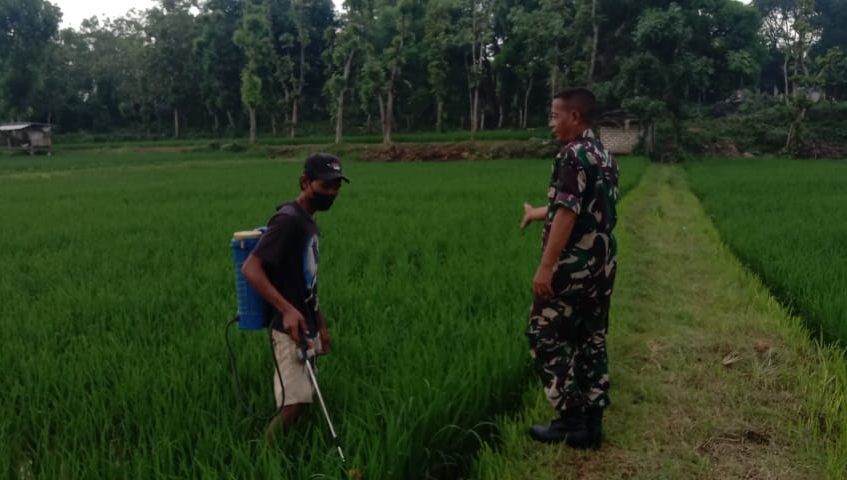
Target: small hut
[(27, 136), (619, 131)]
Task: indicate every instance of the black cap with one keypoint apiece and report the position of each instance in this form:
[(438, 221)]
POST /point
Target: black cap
[(323, 166)]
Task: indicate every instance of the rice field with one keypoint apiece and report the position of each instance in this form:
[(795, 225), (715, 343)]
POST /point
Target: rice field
[(119, 283), (786, 220)]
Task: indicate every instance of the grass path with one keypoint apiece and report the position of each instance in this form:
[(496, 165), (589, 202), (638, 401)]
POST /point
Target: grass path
[(711, 379)]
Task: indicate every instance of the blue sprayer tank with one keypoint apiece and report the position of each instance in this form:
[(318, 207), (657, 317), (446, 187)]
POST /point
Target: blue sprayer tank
[(251, 305)]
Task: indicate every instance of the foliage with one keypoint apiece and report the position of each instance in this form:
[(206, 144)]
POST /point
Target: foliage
[(418, 64), (25, 30)]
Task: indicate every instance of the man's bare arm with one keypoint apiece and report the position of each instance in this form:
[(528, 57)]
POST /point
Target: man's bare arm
[(560, 231)]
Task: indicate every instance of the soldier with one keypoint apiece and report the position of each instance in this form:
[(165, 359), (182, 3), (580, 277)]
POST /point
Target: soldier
[(574, 280)]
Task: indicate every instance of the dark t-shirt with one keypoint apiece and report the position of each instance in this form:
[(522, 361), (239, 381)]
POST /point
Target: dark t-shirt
[(289, 253)]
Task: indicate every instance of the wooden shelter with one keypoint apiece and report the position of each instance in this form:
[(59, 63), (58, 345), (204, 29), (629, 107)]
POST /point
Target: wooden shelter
[(27, 136)]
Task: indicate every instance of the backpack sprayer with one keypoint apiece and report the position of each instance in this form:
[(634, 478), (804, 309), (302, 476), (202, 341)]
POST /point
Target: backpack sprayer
[(251, 316), (251, 311)]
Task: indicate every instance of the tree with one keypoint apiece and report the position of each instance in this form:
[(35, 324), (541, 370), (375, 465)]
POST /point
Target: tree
[(171, 31), (254, 38), (436, 42), (26, 29), (657, 77), (389, 36), (475, 35), (830, 18), (58, 86), (829, 21), (293, 64), (788, 29), (344, 44), (220, 58), (729, 35)]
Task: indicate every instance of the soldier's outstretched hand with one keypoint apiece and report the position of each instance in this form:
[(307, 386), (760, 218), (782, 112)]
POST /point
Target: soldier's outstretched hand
[(527, 215)]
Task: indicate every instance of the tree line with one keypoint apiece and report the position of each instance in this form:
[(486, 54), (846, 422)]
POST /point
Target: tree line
[(225, 67)]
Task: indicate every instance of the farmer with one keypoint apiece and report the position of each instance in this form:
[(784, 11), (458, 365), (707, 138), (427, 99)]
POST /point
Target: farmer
[(573, 283), (283, 269)]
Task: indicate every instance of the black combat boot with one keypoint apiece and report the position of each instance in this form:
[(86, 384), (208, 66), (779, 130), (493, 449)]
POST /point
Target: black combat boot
[(569, 428), (594, 427)]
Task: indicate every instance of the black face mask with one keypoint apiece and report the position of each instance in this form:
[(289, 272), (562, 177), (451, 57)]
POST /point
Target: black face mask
[(322, 201)]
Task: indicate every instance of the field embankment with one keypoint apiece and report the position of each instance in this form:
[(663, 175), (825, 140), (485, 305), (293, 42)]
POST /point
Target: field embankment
[(711, 377)]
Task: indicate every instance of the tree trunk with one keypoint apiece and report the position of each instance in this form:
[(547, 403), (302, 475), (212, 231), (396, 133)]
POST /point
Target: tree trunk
[(470, 106), (472, 88), (439, 113), (475, 112), (273, 125), (388, 118), (176, 123), (526, 103), (252, 126), (230, 119), (473, 81), (554, 80), (216, 124), (293, 124), (500, 116), (298, 89), (382, 115), (794, 85), (339, 117), (792, 130), (388, 108), (650, 138), (785, 77), (593, 43)]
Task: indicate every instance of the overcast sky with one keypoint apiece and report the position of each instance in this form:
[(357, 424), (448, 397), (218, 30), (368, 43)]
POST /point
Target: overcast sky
[(75, 11)]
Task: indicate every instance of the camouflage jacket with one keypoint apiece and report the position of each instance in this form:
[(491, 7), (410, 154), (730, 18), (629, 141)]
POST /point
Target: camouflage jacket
[(585, 180)]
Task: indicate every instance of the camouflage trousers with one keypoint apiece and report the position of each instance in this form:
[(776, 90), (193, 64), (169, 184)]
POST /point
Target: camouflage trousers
[(567, 341)]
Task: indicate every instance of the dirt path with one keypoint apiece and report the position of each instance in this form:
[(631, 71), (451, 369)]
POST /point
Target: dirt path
[(710, 378)]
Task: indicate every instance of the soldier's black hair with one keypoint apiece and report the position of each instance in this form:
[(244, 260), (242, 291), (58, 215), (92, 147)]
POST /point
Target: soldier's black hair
[(582, 100)]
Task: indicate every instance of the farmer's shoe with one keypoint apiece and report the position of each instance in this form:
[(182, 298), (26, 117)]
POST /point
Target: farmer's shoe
[(569, 428), (594, 427)]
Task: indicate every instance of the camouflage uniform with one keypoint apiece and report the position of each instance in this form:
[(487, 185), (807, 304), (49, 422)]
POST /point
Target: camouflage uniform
[(567, 333)]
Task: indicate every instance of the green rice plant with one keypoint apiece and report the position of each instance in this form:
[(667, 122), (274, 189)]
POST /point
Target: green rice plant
[(121, 282), (786, 220)]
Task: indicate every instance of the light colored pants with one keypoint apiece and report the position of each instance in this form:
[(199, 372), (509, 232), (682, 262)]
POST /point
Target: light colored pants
[(295, 376)]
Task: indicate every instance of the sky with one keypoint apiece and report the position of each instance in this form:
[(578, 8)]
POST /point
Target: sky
[(75, 11)]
